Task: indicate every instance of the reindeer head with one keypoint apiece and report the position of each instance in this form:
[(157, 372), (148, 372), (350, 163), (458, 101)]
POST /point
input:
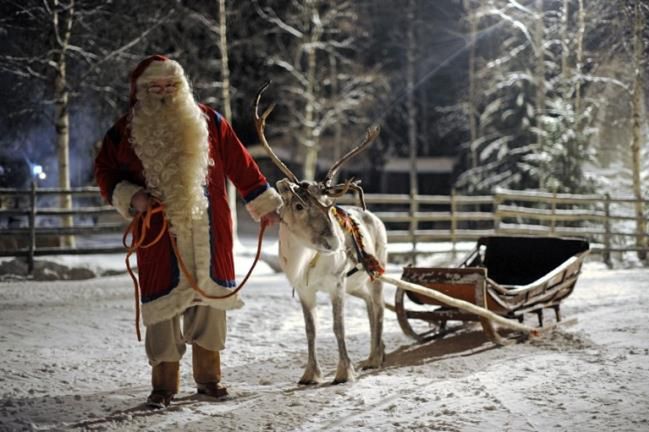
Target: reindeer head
[(307, 204)]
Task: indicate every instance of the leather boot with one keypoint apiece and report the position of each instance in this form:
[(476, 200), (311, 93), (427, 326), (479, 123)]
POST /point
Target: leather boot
[(165, 379), (207, 372)]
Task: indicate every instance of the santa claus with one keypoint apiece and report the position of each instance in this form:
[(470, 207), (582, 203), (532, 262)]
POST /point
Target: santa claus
[(169, 149)]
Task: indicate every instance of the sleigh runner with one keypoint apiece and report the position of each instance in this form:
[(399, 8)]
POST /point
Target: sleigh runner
[(509, 276)]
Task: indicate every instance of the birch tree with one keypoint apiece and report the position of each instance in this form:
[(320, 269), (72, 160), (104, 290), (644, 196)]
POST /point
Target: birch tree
[(508, 103), (539, 71), (565, 128), (534, 128), (227, 103), (618, 34), (472, 103), (305, 36), (62, 19), (638, 121), (63, 48)]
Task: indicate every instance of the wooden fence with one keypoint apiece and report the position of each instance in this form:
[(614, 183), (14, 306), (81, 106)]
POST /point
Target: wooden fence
[(607, 222), (44, 223)]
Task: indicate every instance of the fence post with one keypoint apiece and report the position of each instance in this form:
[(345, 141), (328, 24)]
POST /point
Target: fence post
[(606, 253), (32, 228), (641, 229), (497, 200), (553, 206), (413, 227), (453, 221)]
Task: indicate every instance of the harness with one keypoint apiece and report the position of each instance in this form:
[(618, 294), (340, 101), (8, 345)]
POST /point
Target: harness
[(364, 260)]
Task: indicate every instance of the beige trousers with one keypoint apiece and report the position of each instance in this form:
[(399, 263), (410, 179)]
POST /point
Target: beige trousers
[(202, 325)]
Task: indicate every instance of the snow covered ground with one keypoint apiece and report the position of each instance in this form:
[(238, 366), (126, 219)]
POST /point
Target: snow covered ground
[(71, 361)]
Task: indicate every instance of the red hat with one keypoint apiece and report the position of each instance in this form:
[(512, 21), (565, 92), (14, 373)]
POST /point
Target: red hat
[(152, 67)]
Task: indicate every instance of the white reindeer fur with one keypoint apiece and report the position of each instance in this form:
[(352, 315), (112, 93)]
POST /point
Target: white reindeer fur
[(312, 266)]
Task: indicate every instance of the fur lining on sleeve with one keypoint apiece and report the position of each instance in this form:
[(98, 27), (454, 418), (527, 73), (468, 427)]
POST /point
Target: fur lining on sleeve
[(122, 195), (268, 201)]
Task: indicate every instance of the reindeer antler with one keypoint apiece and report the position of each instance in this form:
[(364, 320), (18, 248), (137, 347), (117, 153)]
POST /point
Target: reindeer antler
[(325, 185), (370, 136), (341, 189), (260, 124)]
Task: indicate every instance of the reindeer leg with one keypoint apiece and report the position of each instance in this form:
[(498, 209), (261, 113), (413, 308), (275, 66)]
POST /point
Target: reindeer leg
[(312, 374), (345, 370), (374, 302)]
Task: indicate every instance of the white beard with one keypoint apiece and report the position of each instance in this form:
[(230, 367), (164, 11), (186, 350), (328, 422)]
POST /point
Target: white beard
[(170, 136)]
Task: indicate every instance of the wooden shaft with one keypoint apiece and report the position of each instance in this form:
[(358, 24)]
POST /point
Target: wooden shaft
[(460, 304)]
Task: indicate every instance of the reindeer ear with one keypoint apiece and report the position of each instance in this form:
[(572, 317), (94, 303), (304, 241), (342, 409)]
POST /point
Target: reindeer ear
[(283, 186), (314, 188)]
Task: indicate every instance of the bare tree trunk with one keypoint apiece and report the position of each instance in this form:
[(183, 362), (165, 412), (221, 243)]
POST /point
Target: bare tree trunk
[(424, 130), (412, 120), (338, 130), (311, 140), (423, 103), (227, 106), (473, 126), (62, 31), (565, 45), (581, 28), (539, 41), (637, 126), (316, 30)]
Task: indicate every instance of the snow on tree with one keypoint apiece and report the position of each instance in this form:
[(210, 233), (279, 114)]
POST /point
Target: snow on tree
[(545, 85), (315, 47), (60, 48)]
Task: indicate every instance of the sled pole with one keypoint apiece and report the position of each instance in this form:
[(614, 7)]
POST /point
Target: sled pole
[(460, 304)]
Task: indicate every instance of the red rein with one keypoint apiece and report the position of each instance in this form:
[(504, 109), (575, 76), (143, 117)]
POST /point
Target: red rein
[(138, 229)]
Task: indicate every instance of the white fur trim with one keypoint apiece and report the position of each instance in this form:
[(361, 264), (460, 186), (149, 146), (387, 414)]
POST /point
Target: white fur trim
[(265, 203), (183, 297), (203, 257), (195, 250), (122, 195), (166, 307), (161, 70)]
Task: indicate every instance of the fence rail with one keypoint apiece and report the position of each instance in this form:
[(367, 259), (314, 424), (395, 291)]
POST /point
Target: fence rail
[(607, 222)]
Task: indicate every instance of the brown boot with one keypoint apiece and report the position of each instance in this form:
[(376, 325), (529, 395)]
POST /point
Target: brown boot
[(207, 372), (165, 378)]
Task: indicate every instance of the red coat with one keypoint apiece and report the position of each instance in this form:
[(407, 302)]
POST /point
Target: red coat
[(164, 290)]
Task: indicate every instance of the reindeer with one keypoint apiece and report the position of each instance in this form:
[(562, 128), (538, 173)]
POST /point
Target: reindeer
[(317, 254)]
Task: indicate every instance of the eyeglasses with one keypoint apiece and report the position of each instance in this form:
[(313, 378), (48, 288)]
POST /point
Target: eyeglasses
[(162, 87)]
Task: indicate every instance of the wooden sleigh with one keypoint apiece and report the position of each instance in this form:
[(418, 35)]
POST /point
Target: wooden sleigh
[(510, 276)]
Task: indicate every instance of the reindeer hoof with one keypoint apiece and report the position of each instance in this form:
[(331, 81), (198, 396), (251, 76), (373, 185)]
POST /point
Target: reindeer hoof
[(311, 378), (373, 362), (344, 376), (343, 380)]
